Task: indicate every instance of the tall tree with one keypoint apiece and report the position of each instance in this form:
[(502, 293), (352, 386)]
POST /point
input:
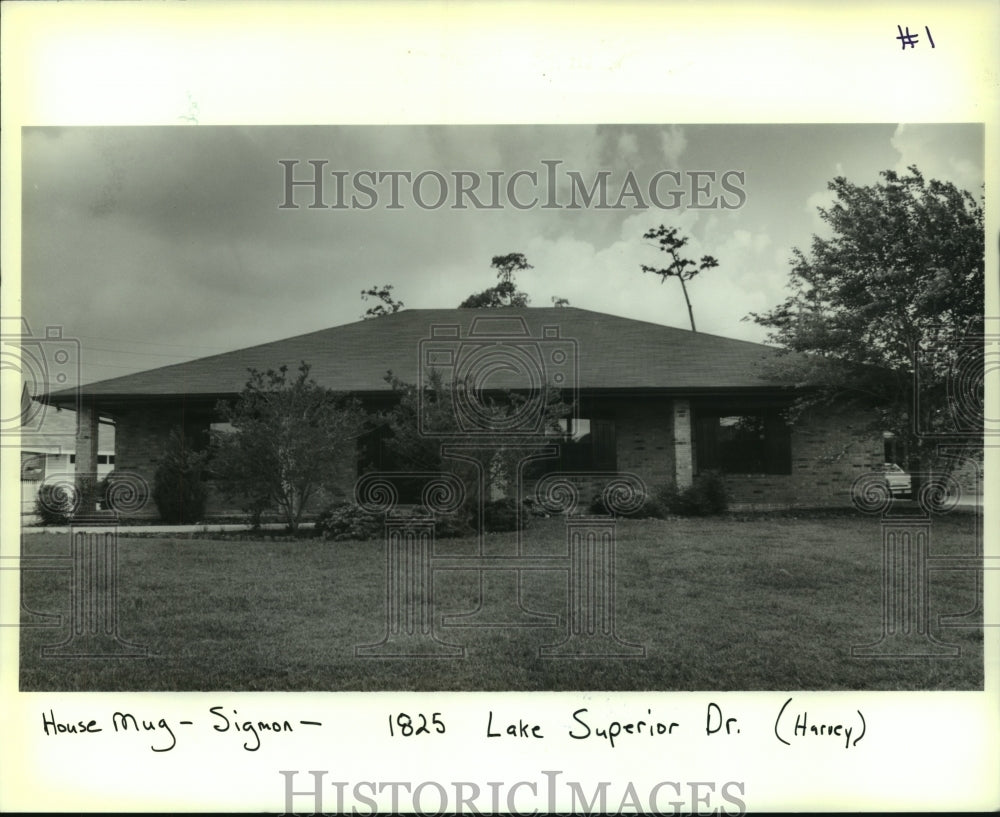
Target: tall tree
[(290, 439), (387, 305), (505, 291), (683, 269), (881, 310)]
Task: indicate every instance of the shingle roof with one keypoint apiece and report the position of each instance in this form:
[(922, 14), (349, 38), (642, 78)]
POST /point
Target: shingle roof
[(611, 353)]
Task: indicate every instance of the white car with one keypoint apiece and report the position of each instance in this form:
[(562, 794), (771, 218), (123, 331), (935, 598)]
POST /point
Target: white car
[(897, 479)]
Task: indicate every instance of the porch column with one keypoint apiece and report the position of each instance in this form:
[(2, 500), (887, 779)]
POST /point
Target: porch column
[(85, 474), (683, 453)]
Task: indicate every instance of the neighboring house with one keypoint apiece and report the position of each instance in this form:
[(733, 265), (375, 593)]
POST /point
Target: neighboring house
[(48, 452), (660, 402)]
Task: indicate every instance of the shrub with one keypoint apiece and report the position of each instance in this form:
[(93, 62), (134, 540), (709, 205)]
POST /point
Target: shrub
[(501, 515), (103, 485), (452, 525), (54, 504), (178, 490), (652, 507), (254, 509), (346, 520), (705, 496)]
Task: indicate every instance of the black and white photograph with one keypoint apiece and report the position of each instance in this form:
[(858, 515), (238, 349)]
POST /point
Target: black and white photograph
[(617, 407), (498, 440)]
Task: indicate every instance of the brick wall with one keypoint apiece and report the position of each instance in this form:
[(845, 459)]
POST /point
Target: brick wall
[(827, 455), (644, 431), (142, 436), (828, 452)]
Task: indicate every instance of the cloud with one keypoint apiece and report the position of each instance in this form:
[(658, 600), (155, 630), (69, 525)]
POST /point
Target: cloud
[(673, 143), (820, 199), (173, 237), (628, 144), (609, 279), (941, 152)]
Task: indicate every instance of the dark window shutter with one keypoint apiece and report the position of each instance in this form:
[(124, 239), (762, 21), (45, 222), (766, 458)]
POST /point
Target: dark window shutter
[(778, 442), (706, 443), (605, 446)]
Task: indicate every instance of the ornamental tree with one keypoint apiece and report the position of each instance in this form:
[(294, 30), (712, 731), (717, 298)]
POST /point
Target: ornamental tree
[(290, 439), (883, 310)]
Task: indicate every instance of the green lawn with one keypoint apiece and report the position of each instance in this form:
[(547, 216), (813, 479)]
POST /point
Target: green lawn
[(730, 603)]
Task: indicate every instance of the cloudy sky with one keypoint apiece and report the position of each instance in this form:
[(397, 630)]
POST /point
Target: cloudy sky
[(155, 245)]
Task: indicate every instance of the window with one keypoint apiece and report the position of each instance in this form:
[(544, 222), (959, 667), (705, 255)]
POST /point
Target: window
[(102, 459), (585, 444), (32, 466), (734, 441)]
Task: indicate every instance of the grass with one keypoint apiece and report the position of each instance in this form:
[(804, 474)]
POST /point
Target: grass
[(727, 603)]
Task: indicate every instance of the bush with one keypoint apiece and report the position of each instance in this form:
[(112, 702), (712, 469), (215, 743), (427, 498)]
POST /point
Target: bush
[(501, 515), (451, 526), (54, 504), (102, 491), (348, 521), (254, 509), (705, 496), (653, 506), (178, 490), (345, 521)]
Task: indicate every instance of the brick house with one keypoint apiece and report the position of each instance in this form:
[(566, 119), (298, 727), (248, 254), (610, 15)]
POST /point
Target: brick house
[(657, 401), (48, 452)]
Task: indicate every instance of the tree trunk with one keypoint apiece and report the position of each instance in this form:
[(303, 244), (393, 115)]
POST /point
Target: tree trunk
[(688, 301)]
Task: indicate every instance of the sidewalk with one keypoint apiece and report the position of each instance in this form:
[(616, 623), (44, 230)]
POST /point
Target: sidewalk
[(965, 503), (203, 527)]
